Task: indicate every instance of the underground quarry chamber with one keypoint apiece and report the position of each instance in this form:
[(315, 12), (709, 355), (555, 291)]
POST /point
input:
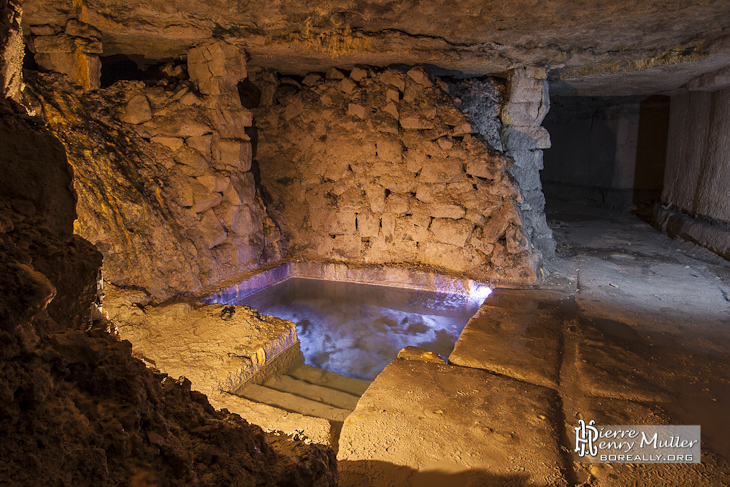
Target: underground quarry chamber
[(493, 197)]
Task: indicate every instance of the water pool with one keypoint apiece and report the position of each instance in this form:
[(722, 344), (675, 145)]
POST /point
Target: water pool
[(356, 329)]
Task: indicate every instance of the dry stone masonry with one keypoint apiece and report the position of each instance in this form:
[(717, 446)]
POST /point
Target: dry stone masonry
[(381, 167), (163, 175), (365, 167)]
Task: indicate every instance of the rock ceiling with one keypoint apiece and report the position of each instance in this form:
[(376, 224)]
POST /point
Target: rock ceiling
[(616, 47)]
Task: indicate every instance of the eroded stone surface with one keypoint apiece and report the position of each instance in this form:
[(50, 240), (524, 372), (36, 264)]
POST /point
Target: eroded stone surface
[(383, 190), (591, 45), (170, 200), (463, 423), (517, 334), (217, 347)]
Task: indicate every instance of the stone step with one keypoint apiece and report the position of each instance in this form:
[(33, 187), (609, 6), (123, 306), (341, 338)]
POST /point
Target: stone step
[(292, 402), (307, 390), (269, 417), (322, 377)]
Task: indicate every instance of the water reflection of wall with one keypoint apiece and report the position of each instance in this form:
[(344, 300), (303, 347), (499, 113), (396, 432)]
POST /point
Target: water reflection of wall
[(357, 329)]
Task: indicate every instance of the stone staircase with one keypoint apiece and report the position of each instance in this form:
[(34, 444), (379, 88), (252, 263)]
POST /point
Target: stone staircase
[(310, 391)]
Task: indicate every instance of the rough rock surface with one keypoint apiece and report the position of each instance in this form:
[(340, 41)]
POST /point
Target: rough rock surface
[(612, 45), (164, 183), (386, 170), (464, 428), (76, 408), (524, 139), (46, 266), (11, 49), (217, 347), (73, 50), (481, 100)]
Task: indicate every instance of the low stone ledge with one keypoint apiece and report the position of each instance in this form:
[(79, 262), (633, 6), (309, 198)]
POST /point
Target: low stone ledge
[(517, 334), (218, 347), (402, 277), (678, 225)]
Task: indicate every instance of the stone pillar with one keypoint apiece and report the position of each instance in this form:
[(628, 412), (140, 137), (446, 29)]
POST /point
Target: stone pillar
[(523, 139), (12, 49), (73, 51), (216, 67)]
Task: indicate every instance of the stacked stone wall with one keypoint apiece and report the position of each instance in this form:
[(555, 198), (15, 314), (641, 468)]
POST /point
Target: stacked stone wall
[(163, 174), (382, 168)]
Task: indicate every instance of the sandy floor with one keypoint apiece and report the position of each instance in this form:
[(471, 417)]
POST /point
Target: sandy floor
[(630, 327)]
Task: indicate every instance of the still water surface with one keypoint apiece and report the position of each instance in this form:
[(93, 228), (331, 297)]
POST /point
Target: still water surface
[(357, 329)]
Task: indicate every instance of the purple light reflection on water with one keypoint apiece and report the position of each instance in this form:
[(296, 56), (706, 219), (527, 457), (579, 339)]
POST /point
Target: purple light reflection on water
[(357, 329)]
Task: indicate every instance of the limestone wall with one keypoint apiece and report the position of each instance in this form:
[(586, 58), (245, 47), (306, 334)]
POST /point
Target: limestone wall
[(696, 196), (11, 49), (163, 174), (381, 167), (697, 177)]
